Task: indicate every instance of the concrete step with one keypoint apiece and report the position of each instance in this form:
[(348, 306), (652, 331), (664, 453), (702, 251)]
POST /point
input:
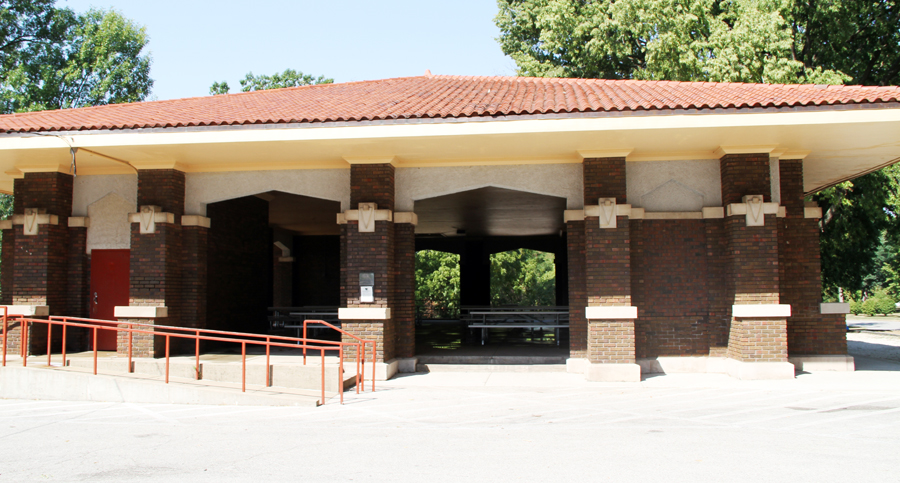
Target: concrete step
[(77, 384), (490, 368), (492, 360), (282, 375)]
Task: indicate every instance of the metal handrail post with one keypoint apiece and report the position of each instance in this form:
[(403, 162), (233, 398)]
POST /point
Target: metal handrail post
[(65, 325), (5, 330), (49, 341), (243, 367), (167, 358), (95, 351), (268, 347)]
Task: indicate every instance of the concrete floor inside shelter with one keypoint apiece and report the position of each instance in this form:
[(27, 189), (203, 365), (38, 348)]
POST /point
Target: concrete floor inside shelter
[(451, 342)]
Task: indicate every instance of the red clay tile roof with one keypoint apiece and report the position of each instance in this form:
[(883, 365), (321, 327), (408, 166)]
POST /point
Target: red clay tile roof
[(441, 97)]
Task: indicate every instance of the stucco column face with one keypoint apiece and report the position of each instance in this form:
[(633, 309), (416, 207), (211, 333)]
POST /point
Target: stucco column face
[(607, 264), (370, 252), (809, 332), (752, 253)]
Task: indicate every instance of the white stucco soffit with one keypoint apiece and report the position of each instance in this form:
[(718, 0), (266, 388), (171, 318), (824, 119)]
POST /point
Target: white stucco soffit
[(754, 209), (610, 312), (138, 312), (761, 310), (364, 313)]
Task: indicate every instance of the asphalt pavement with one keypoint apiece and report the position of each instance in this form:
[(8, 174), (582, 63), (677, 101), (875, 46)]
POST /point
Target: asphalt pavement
[(489, 426)]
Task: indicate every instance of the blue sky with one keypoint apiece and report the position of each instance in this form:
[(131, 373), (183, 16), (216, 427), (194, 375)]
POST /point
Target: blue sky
[(197, 42)]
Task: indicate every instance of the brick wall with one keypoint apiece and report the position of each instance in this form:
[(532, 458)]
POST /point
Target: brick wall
[(403, 310), (758, 340), (808, 331), (163, 188), (607, 263), (239, 265), (47, 191), (316, 271), (744, 174), (719, 299), (577, 294), (375, 253), (372, 183), (611, 341), (669, 275), (604, 178), (195, 241), (753, 257)]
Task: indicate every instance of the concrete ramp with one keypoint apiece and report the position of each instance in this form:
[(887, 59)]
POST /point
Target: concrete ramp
[(54, 383)]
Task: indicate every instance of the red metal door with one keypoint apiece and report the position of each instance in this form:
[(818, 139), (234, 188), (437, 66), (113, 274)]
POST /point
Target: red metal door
[(109, 288)]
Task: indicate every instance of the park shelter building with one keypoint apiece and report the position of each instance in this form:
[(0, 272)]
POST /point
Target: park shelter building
[(676, 210)]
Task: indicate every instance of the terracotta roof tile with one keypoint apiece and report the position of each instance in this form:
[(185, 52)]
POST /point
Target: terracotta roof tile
[(441, 97)]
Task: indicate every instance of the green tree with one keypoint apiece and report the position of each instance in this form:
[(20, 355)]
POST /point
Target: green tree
[(437, 284), (88, 60), (525, 278), (824, 41), (288, 78), (693, 40)]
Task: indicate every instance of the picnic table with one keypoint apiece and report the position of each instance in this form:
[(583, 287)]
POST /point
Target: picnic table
[(533, 318)]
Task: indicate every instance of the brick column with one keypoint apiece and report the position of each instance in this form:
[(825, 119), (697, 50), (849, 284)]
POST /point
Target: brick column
[(758, 324), (610, 312), (195, 239), (577, 294), (815, 340), (79, 282), (370, 252), (40, 251), (156, 265), (404, 308)]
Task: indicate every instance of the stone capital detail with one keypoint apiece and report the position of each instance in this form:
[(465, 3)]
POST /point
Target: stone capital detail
[(32, 219), (607, 210), (812, 212), (195, 220), (149, 216), (754, 209), (610, 312), (834, 308), (79, 222), (406, 217), (366, 215)]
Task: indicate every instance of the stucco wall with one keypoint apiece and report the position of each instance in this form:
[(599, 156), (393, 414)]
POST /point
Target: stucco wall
[(667, 186), (204, 188), (562, 180), (107, 200)]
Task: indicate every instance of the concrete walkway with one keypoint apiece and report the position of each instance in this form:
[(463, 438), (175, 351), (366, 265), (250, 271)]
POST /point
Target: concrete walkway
[(488, 426)]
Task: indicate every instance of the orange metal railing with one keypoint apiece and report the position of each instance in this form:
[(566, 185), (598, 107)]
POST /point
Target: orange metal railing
[(360, 342), (245, 339)]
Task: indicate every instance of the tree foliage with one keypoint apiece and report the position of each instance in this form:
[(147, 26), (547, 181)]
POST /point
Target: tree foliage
[(56, 59), (770, 41), (288, 78), (525, 278), (437, 284), (693, 40)]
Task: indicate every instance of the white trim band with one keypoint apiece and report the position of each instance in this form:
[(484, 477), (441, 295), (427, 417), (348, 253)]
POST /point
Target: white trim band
[(195, 220), (834, 308), (139, 312), (28, 310), (364, 313), (610, 312), (761, 310)]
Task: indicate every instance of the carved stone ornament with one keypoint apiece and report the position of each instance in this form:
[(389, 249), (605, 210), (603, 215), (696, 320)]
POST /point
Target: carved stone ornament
[(31, 221), (607, 212), (367, 217), (755, 214), (148, 219)]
